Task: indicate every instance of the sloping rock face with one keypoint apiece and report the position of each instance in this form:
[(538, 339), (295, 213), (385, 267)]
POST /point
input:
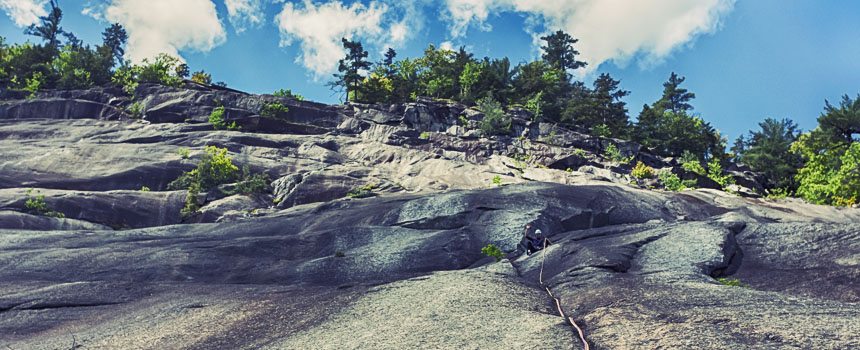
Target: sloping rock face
[(303, 265)]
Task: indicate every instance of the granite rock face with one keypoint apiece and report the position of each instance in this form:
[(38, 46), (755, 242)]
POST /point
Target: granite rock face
[(309, 263)]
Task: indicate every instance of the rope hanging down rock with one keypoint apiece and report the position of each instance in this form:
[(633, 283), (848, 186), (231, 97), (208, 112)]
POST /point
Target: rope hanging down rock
[(557, 302)]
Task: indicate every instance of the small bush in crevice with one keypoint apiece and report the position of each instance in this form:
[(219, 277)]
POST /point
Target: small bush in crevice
[(493, 251), (339, 254), (214, 168), (38, 206), (216, 118), (274, 110), (613, 153), (642, 171), (362, 192), (252, 184)]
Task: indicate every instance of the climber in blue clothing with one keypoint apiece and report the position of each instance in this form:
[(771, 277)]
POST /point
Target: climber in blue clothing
[(533, 241)]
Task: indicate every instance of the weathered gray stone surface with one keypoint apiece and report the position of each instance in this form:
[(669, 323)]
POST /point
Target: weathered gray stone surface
[(304, 266)]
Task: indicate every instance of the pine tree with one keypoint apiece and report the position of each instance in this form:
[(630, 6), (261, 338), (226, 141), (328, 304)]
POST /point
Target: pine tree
[(350, 66), (49, 27), (559, 51), (114, 38)]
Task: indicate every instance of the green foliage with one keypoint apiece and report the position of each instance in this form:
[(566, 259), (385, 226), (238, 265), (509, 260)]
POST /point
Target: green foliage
[(33, 84), (191, 201), (779, 193), (214, 168), (126, 78), (732, 282), (202, 77), (613, 153), (831, 174), (38, 206), (642, 171), (135, 110), (362, 192), (535, 105), (494, 122), (601, 130), (162, 70), (288, 93), (690, 162), (349, 67), (579, 152), (216, 118), (184, 153), (715, 172), (376, 88), (424, 135), (274, 110), (471, 75), (668, 129), (768, 151), (497, 180), (493, 251), (252, 184), (465, 121), (671, 181), (144, 189), (559, 51)]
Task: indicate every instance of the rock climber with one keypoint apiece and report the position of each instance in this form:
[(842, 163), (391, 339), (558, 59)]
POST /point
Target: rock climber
[(532, 241)]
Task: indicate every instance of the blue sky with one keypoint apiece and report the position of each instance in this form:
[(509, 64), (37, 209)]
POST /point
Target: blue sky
[(745, 60)]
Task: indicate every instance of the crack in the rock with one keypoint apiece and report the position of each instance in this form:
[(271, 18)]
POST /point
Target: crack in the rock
[(62, 305)]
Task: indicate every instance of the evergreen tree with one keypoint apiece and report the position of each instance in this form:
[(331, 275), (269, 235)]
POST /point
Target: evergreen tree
[(559, 51), (114, 38), (608, 109), (674, 98), (350, 66), (667, 128), (48, 27), (767, 150)]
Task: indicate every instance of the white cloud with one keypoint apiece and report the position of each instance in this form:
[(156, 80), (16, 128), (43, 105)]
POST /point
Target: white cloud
[(616, 30), (245, 14), (446, 45), (163, 26), (319, 29), (24, 12)]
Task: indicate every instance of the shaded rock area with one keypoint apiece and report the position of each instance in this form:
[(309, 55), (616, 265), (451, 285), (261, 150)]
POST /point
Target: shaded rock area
[(309, 263)]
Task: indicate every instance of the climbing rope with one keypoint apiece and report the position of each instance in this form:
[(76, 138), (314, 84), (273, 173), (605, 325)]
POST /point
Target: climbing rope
[(557, 302)]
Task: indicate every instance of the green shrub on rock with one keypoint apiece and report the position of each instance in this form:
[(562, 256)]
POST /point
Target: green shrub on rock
[(642, 171), (252, 184), (494, 122), (38, 206), (493, 251), (274, 110)]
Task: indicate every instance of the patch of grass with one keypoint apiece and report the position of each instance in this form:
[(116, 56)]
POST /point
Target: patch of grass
[(579, 152), (144, 189), (362, 192), (732, 282), (184, 153), (464, 121), (497, 180), (424, 135), (493, 251)]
